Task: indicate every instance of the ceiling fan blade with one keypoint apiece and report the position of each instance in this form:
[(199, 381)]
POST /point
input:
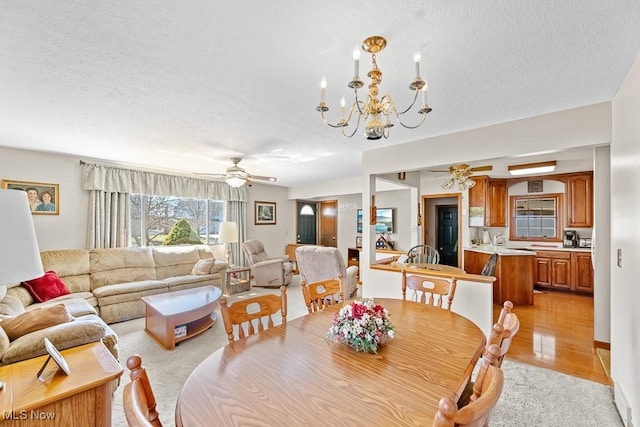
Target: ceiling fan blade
[(263, 178), (210, 175), (481, 168)]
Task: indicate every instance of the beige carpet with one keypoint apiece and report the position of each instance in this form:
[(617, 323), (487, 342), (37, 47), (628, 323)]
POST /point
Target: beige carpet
[(531, 397)]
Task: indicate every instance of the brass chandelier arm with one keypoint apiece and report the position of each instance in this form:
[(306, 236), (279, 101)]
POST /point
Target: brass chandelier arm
[(355, 129), (424, 117)]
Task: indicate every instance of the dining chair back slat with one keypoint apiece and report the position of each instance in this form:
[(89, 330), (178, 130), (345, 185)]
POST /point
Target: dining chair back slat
[(250, 315), (322, 294), (428, 289)]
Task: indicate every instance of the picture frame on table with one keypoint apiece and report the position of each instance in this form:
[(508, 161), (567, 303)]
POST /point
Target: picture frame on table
[(44, 198), (265, 213)]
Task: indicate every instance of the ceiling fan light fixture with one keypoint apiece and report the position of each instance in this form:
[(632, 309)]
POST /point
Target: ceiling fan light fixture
[(449, 184), (531, 168), (234, 181)]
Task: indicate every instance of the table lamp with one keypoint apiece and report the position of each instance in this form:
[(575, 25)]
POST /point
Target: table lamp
[(19, 253), (228, 234)]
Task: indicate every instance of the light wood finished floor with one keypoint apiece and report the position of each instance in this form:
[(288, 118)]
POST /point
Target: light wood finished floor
[(557, 333)]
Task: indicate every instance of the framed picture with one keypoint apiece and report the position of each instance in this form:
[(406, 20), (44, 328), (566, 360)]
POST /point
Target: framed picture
[(534, 186), (358, 241), (44, 199), (265, 213)]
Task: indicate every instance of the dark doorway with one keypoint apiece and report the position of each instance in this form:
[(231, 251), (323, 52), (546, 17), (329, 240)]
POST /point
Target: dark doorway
[(307, 220), (448, 234)]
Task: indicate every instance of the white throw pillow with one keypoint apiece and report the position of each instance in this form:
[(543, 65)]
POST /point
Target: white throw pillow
[(203, 266)]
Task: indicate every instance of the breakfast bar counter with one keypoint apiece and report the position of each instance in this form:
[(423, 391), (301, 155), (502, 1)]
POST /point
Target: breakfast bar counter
[(514, 272)]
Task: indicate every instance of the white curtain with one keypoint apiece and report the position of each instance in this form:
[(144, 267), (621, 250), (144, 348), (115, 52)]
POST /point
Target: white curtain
[(109, 219), (111, 188), (237, 212)]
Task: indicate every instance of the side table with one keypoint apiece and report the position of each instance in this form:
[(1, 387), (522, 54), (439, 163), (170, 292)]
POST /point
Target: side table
[(238, 279)]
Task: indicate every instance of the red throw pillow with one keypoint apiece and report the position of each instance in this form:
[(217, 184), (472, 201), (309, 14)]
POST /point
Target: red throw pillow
[(46, 287)]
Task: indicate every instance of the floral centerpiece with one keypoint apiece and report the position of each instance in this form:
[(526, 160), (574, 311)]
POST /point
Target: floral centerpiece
[(363, 325)]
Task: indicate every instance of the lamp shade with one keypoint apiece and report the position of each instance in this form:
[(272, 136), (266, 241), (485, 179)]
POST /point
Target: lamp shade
[(19, 253), (228, 232)]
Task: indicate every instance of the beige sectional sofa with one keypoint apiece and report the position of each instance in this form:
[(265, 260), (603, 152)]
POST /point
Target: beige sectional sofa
[(106, 286)]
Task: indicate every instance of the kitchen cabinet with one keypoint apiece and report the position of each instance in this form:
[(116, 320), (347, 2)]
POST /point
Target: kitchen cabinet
[(514, 275), (579, 193), (488, 202), (564, 270), (582, 270)]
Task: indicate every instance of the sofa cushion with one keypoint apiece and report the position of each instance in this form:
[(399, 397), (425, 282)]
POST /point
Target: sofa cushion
[(46, 287), (203, 266), (176, 283), (63, 336), (11, 306), (34, 320), (76, 306), (72, 265), (175, 260), (119, 265), (128, 288)]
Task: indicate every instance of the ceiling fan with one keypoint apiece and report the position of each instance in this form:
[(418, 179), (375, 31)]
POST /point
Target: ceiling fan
[(237, 176), (461, 174)]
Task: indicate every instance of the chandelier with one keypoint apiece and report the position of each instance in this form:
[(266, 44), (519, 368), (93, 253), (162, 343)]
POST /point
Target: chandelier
[(375, 112)]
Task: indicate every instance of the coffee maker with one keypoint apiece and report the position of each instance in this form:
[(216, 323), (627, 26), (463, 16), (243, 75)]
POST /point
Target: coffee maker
[(570, 239)]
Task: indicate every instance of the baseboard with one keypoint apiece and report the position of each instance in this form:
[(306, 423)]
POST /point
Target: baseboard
[(602, 344)]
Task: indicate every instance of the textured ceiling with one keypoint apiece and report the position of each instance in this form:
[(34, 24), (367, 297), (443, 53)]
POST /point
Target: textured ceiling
[(183, 86)]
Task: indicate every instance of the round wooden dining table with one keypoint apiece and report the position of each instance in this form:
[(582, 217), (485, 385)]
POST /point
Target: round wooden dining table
[(292, 375)]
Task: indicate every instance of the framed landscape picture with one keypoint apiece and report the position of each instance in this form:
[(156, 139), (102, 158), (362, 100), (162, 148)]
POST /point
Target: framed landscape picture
[(265, 213), (44, 198)]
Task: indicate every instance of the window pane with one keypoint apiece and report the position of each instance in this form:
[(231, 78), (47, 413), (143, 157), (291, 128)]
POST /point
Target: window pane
[(535, 217), (153, 217)]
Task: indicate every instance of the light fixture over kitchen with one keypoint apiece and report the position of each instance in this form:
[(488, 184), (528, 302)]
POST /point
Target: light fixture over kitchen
[(532, 168), (373, 111)]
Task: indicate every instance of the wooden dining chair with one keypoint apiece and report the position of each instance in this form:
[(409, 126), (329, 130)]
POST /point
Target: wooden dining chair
[(502, 334), (249, 315), (138, 400), (510, 325), (431, 290), (487, 391), (322, 294)]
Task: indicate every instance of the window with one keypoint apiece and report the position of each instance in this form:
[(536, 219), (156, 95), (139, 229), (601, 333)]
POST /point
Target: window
[(153, 216), (536, 217)]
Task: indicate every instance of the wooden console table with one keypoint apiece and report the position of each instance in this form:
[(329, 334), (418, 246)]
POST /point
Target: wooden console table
[(82, 398)]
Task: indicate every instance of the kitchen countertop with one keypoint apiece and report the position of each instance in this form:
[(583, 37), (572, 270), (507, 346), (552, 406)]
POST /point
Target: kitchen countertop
[(521, 250)]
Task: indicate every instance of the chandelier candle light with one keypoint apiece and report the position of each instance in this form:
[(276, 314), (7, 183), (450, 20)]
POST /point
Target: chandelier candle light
[(373, 109)]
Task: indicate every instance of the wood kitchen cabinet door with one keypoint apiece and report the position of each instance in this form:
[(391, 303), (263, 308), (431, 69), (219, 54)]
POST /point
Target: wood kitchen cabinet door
[(580, 200), (582, 271), (496, 209), (561, 273), (543, 271)]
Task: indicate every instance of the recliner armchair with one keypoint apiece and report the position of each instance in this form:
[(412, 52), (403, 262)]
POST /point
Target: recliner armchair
[(267, 272), (317, 263)]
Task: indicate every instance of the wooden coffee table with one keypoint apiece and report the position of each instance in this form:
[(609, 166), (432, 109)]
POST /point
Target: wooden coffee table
[(168, 315)]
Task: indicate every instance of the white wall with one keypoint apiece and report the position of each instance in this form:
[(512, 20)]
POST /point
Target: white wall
[(69, 229), (601, 244), (274, 237), (625, 237)]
